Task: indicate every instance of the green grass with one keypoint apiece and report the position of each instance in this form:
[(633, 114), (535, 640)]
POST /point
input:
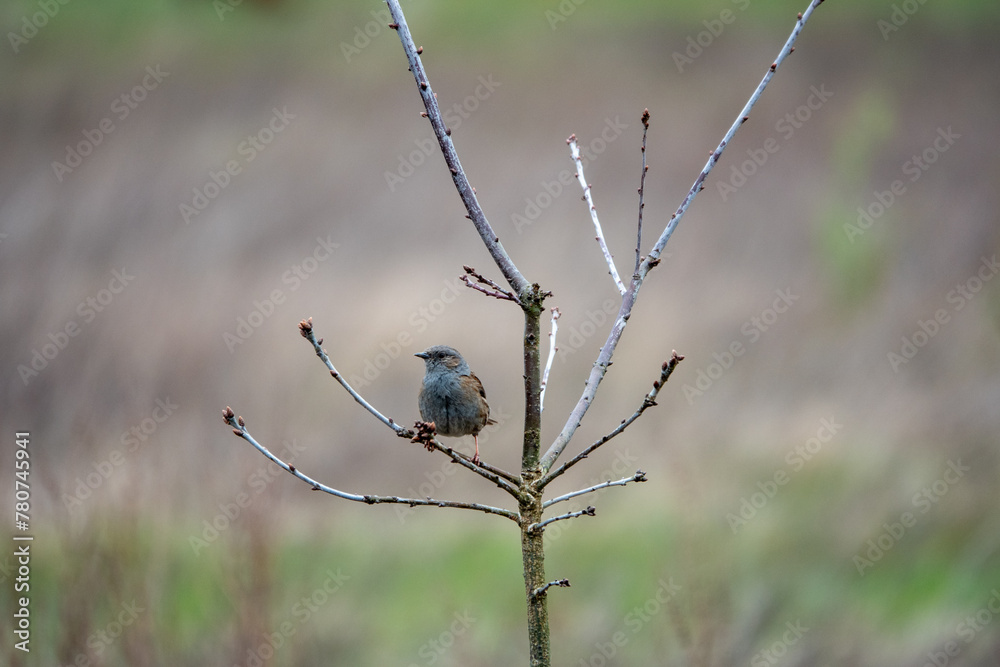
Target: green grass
[(404, 585), (310, 32)]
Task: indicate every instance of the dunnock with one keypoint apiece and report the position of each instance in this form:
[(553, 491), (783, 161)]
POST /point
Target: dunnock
[(451, 396)]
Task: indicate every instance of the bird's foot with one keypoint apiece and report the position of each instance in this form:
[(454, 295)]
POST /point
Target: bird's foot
[(424, 434)]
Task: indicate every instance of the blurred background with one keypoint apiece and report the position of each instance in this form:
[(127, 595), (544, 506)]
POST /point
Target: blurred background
[(181, 182)]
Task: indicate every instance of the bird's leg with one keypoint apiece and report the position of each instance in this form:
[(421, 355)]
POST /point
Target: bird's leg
[(475, 459)]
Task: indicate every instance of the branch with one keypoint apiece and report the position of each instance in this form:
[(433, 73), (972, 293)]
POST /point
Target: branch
[(306, 329), (562, 583), (498, 292), (743, 117), (642, 188), (648, 401), (552, 354), (443, 134), (639, 476), (535, 527), (653, 258), (574, 151), (239, 428)]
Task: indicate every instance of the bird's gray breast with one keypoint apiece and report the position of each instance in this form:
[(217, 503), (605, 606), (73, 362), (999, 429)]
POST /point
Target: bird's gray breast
[(442, 403)]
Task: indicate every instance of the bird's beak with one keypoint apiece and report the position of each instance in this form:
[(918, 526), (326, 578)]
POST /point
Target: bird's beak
[(422, 355)]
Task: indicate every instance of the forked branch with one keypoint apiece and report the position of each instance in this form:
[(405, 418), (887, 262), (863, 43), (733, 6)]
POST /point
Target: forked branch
[(600, 367), (497, 292)]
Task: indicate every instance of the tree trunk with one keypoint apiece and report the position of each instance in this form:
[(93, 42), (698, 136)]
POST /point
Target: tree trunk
[(532, 543), (533, 554)]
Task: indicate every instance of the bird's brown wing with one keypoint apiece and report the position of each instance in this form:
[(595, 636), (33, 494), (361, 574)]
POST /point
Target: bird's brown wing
[(478, 384), (482, 392)]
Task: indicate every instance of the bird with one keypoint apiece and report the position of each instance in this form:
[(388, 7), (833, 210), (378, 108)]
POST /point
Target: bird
[(451, 396)]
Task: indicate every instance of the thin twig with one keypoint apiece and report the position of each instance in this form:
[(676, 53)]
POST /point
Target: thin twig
[(479, 288), (306, 329), (600, 367), (743, 117), (648, 401), (642, 188), (574, 151), (506, 265), (239, 428), (552, 354), (498, 292), (535, 527), (639, 476), (562, 583)]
